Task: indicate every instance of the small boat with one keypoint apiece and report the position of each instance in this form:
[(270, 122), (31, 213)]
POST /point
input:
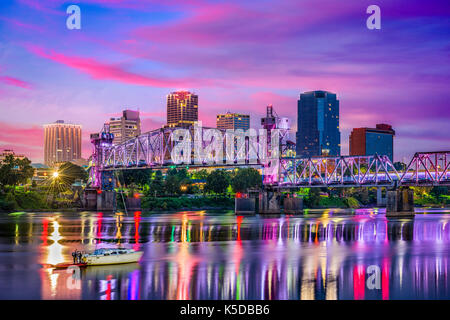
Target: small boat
[(67, 265), (111, 256)]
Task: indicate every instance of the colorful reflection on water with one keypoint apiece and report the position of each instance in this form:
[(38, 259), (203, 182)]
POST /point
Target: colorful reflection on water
[(196, 255)]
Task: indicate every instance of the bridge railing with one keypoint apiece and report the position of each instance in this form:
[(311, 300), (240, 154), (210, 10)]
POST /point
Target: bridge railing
[(427, 168), (424, 169), (344, 170)]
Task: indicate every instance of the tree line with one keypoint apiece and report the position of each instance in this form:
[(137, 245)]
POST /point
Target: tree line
[(181, 181)]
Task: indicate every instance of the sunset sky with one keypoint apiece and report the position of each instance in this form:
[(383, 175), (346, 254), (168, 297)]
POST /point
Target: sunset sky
[(237, 56)]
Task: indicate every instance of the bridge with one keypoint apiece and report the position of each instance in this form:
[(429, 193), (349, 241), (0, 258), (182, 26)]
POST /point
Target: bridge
[(154, 150), (267, 150), (424, 169)]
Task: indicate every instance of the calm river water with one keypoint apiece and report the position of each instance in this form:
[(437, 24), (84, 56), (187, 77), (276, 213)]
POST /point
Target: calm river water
[(325, 254)]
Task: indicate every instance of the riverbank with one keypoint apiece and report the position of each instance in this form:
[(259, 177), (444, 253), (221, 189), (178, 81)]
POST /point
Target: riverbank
[(37, 200)]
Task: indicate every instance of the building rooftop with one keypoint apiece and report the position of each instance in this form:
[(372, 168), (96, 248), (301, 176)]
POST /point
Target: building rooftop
[(39, 166)]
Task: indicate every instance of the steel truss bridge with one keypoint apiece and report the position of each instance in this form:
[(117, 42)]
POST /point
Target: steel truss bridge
[(153, 150), (424, 169)]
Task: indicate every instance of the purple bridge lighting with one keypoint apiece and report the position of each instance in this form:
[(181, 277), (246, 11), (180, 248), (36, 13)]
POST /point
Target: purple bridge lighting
[(153, 150)]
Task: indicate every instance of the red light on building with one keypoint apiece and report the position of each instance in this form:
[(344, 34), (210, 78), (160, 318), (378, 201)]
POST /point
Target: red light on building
[(99, 191), (238, 195), (136, 195)]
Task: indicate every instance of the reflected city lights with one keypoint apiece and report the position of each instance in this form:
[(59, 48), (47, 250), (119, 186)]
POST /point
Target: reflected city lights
[(199, 256)]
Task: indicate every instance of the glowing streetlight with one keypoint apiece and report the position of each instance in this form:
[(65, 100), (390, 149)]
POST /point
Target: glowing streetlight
[(55, 174)]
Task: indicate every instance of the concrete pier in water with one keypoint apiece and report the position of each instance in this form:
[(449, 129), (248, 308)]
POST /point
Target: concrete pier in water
[(381, 201), (400, 203), (269, 203), (245, 206), (97, 200), (293, 205)]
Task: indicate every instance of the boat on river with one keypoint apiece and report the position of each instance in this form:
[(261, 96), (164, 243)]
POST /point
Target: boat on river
[(105, 257), (111, 256)]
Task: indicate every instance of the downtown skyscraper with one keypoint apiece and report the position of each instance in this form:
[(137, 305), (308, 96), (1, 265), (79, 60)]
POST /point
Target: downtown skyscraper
[(233, 121), (62, 142), (318, 125), (371, 141), (182, 109), (125, 127)]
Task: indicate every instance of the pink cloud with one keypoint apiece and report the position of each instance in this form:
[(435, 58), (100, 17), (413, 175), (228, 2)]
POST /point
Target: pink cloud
[(228, 23), (52, 6), (27, 140), (102, 71), (22, 25), (15, 82)]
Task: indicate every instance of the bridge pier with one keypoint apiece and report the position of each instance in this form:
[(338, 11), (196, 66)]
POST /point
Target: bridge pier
[(106, 201), (293, 205), (98, 200), (400, 203), (102, 197), (245, 206), (270, 202), (381, 202), (133, 204)]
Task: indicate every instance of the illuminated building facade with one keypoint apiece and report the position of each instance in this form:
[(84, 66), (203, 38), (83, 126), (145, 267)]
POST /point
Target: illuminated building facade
[(233, 121), (318, 125), (41, 171), (182, 109), (7, 152), (371, 141), (125, 127), (62, 142)]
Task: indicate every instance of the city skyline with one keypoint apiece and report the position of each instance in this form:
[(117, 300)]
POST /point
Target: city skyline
[(48, 72)]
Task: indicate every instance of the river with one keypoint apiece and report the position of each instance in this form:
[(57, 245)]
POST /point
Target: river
[(324, 254)]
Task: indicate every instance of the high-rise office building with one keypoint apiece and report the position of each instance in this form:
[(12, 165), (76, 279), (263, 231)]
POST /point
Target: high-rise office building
[(370, 141), (10, 152), (233, 121), (125, 127), (182, 109), (318, 125), (62, 142)]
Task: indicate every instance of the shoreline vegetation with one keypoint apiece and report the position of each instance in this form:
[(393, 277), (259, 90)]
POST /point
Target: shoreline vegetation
[(174, 189), (34, 201)]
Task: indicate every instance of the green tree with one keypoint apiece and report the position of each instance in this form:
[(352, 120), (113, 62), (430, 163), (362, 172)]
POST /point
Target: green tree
[(200, 174), (156, 187), (217, 181), (313, 198), (177, 181), (15, 171), (245, 179), (399, 166), (138, 177), (69, 173), (172, 184)]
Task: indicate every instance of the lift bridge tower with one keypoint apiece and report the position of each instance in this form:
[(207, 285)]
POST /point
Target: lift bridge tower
[(102, 180), (99, 194), (272, 121)]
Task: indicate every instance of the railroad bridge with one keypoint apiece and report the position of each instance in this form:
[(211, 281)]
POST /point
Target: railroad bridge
[(267, 150)]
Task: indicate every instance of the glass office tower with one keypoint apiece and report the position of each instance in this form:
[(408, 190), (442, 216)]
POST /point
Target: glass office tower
[(318, 125)]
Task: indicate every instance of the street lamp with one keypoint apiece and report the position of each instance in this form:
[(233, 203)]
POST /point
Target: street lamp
[(55, 174)]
